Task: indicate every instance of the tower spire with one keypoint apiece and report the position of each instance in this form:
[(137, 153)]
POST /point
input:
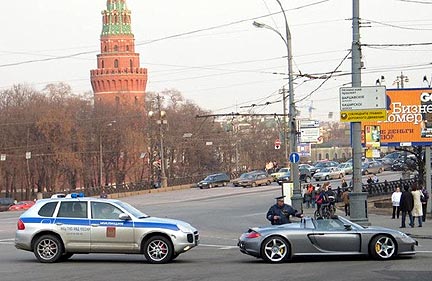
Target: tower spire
[(116, 18), (118, 80)]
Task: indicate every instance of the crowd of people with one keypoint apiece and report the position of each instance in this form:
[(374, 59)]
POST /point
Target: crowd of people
[(411, 202)]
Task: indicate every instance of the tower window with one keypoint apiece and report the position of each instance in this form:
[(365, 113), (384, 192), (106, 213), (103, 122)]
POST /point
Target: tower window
[(103, 64), (131, 63), (116, 64), (127, 48), (115, 48)]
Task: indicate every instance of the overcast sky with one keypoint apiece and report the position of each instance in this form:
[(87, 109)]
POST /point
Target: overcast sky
[(229, 64)]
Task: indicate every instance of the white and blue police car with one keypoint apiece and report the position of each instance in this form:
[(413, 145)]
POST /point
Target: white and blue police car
[(55, 229)]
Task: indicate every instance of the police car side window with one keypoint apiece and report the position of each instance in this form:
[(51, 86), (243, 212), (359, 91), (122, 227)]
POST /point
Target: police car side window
[(48, 209), (72, 209)]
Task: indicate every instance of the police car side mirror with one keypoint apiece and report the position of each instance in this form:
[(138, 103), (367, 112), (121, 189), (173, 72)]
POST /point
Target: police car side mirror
[(124, 217)]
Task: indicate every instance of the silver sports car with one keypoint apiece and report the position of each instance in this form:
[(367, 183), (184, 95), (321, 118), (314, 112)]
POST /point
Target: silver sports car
[(336, 236)]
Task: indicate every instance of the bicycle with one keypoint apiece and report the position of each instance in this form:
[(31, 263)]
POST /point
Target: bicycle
[(326, 211)]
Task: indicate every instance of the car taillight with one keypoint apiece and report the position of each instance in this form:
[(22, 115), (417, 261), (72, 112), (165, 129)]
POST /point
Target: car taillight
[(20, 225), (253, 234)]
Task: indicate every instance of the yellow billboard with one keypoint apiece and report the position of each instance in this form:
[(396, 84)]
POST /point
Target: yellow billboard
[(409, 118)]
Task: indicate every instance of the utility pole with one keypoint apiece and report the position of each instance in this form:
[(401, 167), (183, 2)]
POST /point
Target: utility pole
[(358, 199), (284, 128)]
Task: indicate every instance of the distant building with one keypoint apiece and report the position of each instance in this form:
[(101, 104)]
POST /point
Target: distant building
[(118, 80)]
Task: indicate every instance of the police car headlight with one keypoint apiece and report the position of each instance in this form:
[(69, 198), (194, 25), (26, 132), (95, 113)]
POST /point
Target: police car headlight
[(184, 228)]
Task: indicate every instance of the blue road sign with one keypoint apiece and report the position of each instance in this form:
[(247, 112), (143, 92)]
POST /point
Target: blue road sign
[(294, 157)]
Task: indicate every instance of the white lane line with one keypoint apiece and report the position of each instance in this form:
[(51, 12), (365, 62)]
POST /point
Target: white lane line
[(253, 215), (9, 241), (220, 247)]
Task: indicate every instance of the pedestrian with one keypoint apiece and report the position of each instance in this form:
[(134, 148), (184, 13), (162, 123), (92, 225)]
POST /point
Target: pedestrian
[(406, 206), (313, 197), (346, 201), (280, 212), (344, 184), (396, 196), (417, 210), (375, 178), (424, 199), (103, 194)]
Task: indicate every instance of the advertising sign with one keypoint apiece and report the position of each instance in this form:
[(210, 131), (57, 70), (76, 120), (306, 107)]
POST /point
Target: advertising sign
[(372, 135), (409, 118)]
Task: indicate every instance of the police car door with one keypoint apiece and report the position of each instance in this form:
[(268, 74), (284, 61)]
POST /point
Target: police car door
[(108, 232), (73, 225)]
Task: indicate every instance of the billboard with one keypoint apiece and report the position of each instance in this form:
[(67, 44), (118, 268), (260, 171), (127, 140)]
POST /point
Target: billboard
[(409, 119)]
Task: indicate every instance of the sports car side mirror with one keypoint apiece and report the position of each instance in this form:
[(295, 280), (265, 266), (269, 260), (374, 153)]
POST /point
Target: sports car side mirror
[(347, 226)]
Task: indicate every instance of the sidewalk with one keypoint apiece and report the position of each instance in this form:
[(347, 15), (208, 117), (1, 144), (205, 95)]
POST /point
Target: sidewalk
[(382, 217)]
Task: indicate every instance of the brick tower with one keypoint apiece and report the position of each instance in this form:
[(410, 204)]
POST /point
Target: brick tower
[(118, 80)]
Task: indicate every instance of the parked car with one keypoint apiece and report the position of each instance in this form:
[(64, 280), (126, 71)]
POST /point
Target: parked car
[(372, 167), (255, 179), (236, 181), (5, 203), (279, 173), (329, 173), (346, 167), (55, 229), (403, 163), (215, 180), (304, 175), (21, 205), (311, 168), (325, 164), (317, 237)]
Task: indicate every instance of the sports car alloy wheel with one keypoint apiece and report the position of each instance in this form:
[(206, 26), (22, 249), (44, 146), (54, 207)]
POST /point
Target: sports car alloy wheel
[(275, 249), (158, 250), (48, 249), (383, 247)]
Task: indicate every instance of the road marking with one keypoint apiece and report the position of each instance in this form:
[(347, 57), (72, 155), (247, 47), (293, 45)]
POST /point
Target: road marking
[(220, 247), (9, 241), (252, 215)]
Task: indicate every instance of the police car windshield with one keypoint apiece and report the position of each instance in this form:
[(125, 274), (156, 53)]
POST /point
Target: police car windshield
[(132, 210)]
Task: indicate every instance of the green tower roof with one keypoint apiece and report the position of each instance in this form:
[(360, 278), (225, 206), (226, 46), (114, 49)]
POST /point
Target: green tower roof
[(116, 18)]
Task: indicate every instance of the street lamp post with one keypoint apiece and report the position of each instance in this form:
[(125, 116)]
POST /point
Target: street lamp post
[(294, 175), (160, 121)]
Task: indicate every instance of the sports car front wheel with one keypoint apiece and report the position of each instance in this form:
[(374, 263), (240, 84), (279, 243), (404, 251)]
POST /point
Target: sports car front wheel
[(382, 247), (275, 249)]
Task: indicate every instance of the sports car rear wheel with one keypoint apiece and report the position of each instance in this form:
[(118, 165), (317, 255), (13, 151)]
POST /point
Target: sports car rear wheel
[(382, 247), (275, 249)]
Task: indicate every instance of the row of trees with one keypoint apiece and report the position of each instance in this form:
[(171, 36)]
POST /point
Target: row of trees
[(54, 140)]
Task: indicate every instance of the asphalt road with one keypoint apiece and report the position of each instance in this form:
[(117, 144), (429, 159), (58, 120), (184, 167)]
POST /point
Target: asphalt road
[(221, 215)]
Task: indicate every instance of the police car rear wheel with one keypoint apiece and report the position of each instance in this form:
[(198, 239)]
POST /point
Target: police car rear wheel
[(48, 249), (158, 249)]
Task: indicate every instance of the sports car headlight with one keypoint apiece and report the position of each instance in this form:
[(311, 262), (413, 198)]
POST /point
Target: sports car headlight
[(184, 229)]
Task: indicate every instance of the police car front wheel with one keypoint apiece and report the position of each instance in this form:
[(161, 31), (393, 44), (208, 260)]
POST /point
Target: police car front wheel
[(48, 249), (158, 249)]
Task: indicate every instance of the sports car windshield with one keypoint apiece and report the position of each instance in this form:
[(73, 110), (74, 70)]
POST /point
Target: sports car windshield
[(335, 224), (132, 210)]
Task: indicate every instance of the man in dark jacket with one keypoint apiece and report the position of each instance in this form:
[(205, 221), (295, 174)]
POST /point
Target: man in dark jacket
[(280, 212), (406, 206)]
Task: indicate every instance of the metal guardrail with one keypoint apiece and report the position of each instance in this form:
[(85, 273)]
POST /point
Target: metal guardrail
[(386, 187)]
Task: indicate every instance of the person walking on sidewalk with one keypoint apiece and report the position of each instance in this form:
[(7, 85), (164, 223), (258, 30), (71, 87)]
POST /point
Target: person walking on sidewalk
[(406, 206), (346, 201), (417, 210), (424, 199), (396, 196)]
